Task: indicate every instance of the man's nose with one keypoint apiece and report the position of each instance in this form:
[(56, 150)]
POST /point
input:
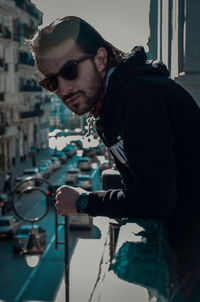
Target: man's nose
[(64, 86)]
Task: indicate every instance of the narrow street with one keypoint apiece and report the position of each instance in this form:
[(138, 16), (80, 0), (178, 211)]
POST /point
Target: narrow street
[(42, 282)]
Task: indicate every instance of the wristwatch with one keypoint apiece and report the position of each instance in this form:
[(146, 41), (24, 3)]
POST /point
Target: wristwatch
[(81, 203)]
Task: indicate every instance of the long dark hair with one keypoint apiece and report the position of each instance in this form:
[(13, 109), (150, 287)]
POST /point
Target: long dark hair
[(86, 37)]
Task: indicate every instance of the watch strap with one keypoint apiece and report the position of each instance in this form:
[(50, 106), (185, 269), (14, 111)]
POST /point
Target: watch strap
[(81, 203)]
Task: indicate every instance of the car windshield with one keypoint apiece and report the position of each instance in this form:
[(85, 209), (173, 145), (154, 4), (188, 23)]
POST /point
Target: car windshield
[(23, 231), (4, 223), (29, 173), (83, 178)]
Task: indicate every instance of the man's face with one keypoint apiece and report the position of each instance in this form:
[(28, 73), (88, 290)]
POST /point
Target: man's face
[(81, 93)]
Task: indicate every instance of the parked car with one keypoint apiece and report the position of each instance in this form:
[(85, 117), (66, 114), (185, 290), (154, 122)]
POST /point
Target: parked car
[(62, 156), (84, 163), (100, 149), (78, 143), (8, 226), (106, 164), (5, 203), (91, 153), (69, 150), (56, 162), (71, 175), (43, 170), (35, 173), (21, 236), (49, 163), (25, 184), (61, 133), (84, 181)]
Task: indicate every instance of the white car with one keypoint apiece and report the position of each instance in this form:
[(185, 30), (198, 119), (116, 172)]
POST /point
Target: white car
[(71, 175), (8, 226), (84, 163), (84, 181), (35, 173), (47, 162), (25, 184)]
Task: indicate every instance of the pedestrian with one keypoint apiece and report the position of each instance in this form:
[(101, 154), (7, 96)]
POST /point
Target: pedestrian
[(7, 182), (150, 124)]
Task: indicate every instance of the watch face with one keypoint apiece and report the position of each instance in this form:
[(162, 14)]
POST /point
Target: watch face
[(82, 203)]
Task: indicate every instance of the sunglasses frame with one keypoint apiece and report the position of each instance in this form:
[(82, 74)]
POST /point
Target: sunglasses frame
[(44, 82)]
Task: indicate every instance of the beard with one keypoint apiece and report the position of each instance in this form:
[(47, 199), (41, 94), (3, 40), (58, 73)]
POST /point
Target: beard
[(89, 97)]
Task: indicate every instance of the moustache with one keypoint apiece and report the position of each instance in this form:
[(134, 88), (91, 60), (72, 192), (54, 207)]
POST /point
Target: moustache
[(72, 94)]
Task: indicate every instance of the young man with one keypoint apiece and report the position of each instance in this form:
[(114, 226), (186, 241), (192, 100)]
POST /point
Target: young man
[(150, 124)]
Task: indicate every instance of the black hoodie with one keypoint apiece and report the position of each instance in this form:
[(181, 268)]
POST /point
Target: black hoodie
[(151, 124)]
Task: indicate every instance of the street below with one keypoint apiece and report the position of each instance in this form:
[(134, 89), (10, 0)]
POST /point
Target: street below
[(19, 282)]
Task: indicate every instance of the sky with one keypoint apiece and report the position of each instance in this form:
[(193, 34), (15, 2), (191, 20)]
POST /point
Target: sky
[(124, 23)]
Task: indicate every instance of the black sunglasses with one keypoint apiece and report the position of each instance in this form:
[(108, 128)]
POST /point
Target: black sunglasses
[(69, 72)]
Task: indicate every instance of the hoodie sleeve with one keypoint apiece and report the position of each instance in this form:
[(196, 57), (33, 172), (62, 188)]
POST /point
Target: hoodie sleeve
[(149, 147)]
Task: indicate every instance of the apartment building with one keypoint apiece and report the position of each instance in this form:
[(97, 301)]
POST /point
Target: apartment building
[(24, 106), (174, 39)]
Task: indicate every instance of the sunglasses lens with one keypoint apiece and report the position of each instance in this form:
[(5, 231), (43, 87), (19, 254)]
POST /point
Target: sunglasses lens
[(50, 84), (69, 71)]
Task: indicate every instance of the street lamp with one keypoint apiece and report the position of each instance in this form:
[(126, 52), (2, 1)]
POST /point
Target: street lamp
[(33, 250)]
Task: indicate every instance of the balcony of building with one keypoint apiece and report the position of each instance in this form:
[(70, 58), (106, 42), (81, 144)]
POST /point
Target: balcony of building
[(5, 33), (30, 9), (3, 65), (22, 30), (25, 58), (47, 99), (29, 86), (2, 96), (31, 114), (2, 130)]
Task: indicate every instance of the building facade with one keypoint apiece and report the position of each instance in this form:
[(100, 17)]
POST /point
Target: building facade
[(174, 39), (24, 106)]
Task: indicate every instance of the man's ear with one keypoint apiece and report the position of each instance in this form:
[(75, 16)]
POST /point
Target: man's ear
[(101, 59)]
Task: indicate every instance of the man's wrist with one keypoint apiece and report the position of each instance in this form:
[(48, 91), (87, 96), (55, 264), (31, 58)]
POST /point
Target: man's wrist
[(82, 203)]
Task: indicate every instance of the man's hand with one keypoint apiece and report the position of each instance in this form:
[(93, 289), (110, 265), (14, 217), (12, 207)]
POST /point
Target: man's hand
[(66, 197)]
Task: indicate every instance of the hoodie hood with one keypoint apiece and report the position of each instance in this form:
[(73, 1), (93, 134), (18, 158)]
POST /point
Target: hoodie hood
[(136, 64), (133, 65)]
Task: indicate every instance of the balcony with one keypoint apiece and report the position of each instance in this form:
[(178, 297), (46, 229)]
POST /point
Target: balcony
[(47, 99), (30, 114), (26, 58), (2, 96), (2, 130), (30, 9), (5, 33), (3, 65), (137, 259), (30, 88)]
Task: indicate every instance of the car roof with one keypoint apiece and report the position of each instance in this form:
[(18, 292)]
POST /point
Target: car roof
[(29, 226), (23, 177), (46, 160), (73, 169), (7, 217), (83, 159), (84, 176)]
